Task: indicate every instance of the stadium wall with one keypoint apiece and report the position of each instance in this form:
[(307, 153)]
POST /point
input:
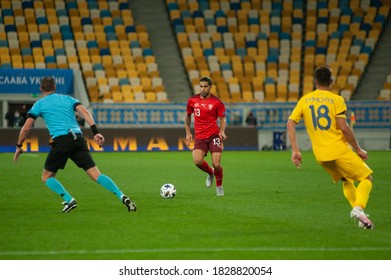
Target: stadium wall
[(130, 140)]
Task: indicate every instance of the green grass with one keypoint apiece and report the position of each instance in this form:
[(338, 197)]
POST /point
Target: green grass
[(270, 210)]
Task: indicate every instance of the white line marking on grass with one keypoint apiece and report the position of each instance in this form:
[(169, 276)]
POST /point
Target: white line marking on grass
[(30, 155), (171, 250)]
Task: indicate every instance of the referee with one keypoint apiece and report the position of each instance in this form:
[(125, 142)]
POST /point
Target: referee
[(58, 112)]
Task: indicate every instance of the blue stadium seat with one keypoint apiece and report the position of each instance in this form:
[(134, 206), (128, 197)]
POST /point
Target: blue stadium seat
[(134, 44), (269, 80), (3, 43), (210, 21), (172, 6), (380, 18), (65, 29), (198, 13), (94, 5), (45, 36), (7, 12), (241, 52), (92, 44), (220, 13), (208, 51), (104, 51), (180, 28), (50, 59), (67, 36), (118, 21), (42, 20), (366, 49), (310, 43), (321, 5), (218, 44), (253, 21), (27, 5), (222, 29), (251, 44), (356, 18), (321, 50), (123, 6), (62, 13), (336, 35), (177, 21), (71, 5), (123, 81), (26, 51), (346, 12), (366, 27), (59, 51), (358, 42), (86, 20), (343, 27), (298, 4), (105, 13), (97, 66), (235, 6), (226, 66), (111, 36), (186, 14), (285, 36), (147, 52), (109, 29), (272, 59), (6, 66), (376, 3), (36, 44), (10, 28), (262, 36), (321, 20), (130, 28), (275, 28)]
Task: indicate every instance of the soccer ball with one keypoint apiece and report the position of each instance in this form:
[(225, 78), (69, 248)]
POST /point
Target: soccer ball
[(168, 191)]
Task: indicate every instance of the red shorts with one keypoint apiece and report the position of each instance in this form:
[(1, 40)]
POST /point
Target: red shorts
[(214, 144)]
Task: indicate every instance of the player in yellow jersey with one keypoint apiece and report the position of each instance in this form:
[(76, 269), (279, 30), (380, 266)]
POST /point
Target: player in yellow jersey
[(334, 145)]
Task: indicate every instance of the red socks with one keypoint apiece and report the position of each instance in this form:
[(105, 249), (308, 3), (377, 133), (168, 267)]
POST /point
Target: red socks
[(218, 173), (205, 167), (219, 176)]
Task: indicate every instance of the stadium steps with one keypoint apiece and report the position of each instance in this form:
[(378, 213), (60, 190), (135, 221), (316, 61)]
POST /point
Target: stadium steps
[(164, 46), (378, 69)]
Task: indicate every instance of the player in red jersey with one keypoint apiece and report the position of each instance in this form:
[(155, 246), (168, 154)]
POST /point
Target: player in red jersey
[(207, 108)]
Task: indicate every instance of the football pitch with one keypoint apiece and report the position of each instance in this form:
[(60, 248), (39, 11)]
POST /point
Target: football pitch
[(270, 211)]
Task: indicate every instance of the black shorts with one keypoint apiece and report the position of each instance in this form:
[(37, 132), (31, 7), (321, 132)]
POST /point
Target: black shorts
[(64, 147)]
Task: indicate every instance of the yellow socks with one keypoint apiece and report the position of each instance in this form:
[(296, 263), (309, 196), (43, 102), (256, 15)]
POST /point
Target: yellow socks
[(362, 193)]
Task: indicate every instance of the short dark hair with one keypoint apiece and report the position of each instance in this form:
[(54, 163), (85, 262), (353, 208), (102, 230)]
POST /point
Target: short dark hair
[(322, 76), (48, 84), (206, 79)]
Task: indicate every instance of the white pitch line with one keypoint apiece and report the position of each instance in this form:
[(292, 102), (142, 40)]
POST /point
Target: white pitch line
[(255, 249), (29, 155)]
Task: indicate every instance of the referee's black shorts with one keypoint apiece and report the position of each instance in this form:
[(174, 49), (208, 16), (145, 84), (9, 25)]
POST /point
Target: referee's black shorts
[(64, 147)]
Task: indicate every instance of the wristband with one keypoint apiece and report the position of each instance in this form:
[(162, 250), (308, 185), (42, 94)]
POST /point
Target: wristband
[(19, 146), (94, 129)]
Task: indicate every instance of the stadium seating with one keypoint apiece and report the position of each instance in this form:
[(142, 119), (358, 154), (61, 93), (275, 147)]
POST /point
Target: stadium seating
[(98, 37), (254, 50), (385, 92), (272, 43)]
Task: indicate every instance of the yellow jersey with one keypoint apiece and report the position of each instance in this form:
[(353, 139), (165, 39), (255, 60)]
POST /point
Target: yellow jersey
[(319, 109)]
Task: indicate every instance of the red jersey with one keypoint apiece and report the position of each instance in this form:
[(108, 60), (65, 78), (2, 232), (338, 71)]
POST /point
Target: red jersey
[(206, 112)]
